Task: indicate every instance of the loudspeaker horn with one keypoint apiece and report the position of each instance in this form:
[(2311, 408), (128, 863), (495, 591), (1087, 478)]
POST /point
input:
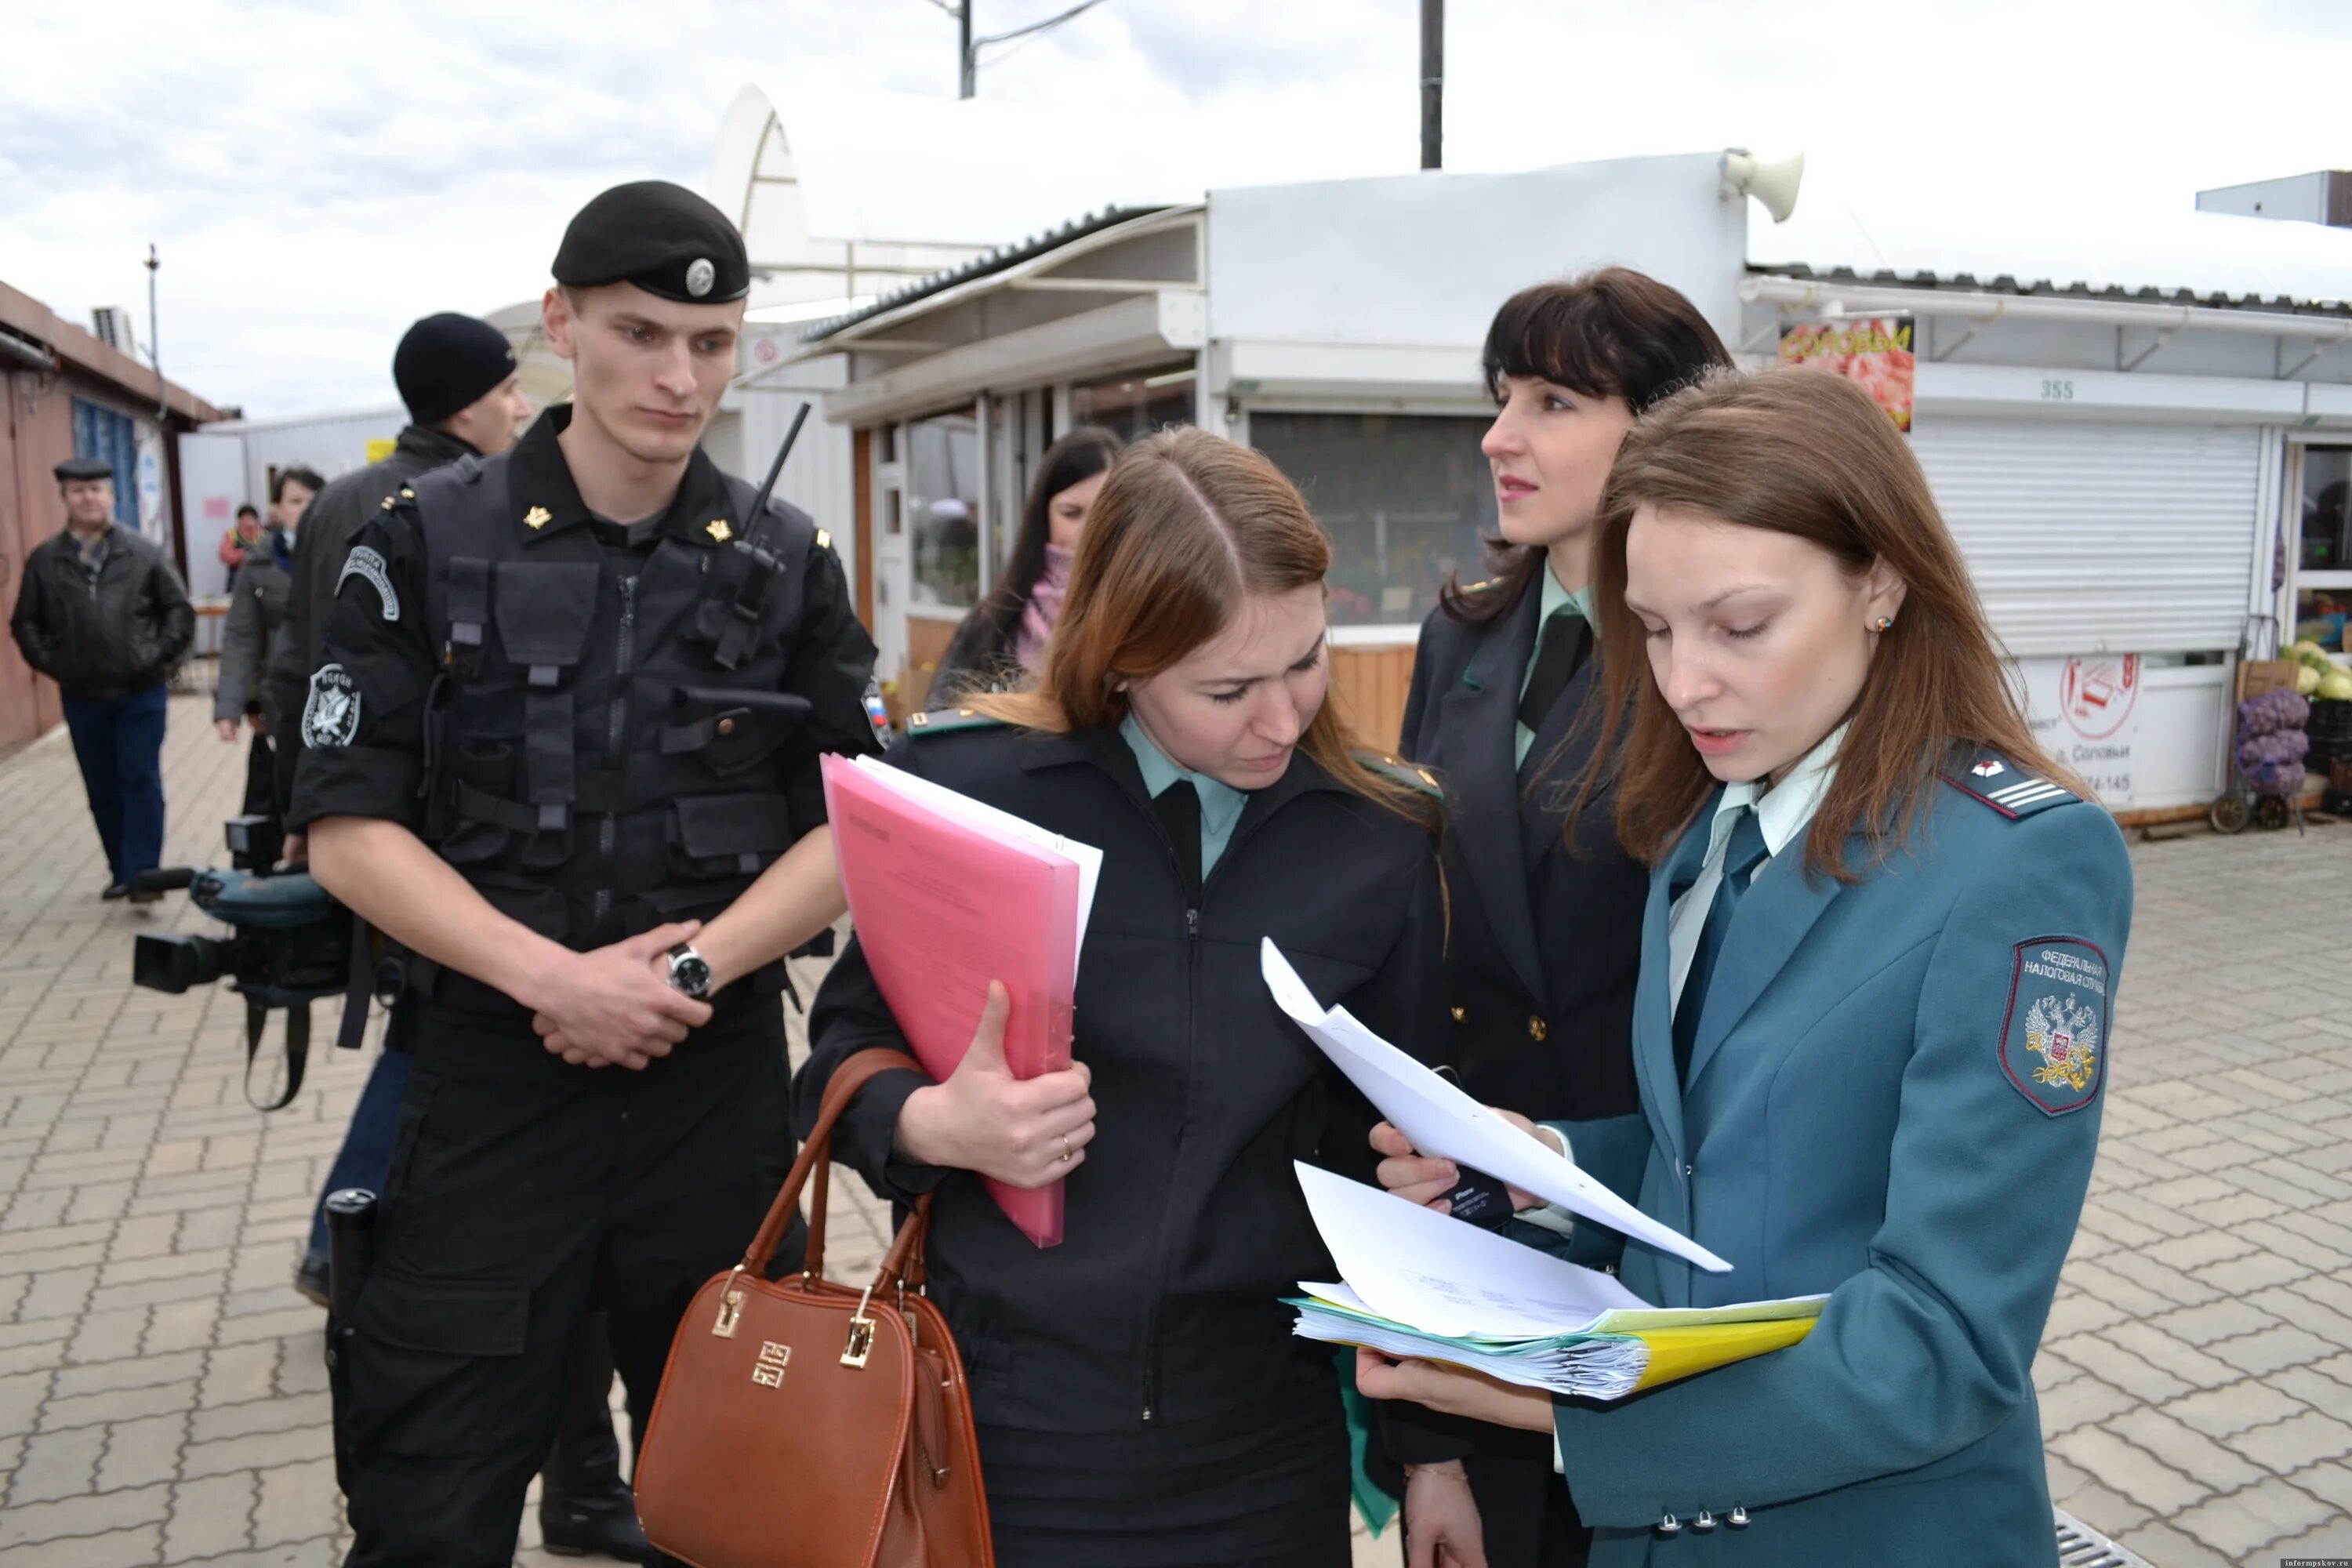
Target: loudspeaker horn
[(1774, 184)]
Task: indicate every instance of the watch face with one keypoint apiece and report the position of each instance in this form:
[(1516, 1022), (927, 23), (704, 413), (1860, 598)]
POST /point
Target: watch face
[(690, 973)]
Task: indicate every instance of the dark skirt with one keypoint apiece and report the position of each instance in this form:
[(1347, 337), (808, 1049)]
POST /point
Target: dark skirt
[(1266, 1490)]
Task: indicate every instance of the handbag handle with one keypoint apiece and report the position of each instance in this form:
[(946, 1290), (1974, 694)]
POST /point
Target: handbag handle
[(854, 1073)]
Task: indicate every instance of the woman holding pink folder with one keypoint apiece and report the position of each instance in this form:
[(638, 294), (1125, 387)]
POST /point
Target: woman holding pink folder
[(1140, 1400)]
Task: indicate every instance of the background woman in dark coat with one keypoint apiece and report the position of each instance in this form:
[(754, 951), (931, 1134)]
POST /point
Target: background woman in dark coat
[(1001, 643), (1546, 942), (1140, 1400)]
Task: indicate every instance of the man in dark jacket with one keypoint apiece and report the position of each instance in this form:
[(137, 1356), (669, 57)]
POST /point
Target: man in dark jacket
[(103, 613), (257, 617)]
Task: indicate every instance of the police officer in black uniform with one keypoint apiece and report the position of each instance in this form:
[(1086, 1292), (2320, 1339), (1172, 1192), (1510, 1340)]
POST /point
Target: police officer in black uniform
[(563, 749)]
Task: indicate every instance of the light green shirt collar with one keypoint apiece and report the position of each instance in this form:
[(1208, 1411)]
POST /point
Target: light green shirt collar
[(1555, 597), (1785, 810), (1221, 803)]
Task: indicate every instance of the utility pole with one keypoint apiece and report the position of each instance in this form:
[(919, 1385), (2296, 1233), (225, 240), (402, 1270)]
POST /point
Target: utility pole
[(1433, 82), (155, 341), (967, 57)]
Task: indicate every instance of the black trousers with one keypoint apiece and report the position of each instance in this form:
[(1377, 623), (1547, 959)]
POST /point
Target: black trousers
[(260, 777), (522, 1194)]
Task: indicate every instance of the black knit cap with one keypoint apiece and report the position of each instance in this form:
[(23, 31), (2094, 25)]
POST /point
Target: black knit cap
[(84, 468), (660, 236), (449, 361)]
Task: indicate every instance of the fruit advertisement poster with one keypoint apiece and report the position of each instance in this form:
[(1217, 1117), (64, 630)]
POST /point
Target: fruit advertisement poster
[(1872, 352)]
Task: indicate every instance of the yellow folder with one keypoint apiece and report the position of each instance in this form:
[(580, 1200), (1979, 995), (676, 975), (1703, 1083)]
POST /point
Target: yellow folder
[(1679, 1352)]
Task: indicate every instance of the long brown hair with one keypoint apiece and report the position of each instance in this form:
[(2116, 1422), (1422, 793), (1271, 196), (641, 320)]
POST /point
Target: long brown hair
[(1804, 453), (1611, 332), (1187, 525)]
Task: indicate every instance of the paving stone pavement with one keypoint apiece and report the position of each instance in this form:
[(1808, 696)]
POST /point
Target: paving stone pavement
[(163, 1397)]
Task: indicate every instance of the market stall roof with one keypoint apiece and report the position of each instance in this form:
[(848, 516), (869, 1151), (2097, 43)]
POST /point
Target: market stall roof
[(986, 265), (845, 196), (2017, 243)]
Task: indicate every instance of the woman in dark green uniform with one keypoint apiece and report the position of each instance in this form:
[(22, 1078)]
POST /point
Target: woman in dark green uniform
[(1140, 1398), (1878, 970), (1546, 941)]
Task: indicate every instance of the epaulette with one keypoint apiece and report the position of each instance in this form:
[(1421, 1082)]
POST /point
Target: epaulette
[(1990, 777), (948, 719), (1420, 780), (405, 495), (468, 468)]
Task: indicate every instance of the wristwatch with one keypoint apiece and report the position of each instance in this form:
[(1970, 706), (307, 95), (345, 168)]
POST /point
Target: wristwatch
[(689, 971)]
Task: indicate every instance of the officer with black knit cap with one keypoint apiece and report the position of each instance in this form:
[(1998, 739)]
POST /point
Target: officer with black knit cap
[(457, 375), (563, 745)]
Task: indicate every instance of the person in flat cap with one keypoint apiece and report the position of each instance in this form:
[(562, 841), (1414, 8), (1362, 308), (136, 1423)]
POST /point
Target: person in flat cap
[(560, 744), (103, 613)]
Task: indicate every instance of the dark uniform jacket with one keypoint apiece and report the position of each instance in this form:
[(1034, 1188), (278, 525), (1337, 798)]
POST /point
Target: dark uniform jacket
[(258, 593), (1894, 1096), (106, 634), (330, 525), (1185, 1223), (502, 674), (1545, 944)]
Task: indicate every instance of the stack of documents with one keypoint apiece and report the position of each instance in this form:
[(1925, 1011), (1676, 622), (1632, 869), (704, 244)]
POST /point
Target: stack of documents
[(1422, 1284), (948, 894)]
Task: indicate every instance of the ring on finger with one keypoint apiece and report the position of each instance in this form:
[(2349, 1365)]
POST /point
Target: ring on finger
[(1065, 1150)]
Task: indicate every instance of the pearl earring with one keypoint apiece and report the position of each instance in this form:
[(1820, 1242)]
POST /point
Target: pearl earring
[(1885, 623)]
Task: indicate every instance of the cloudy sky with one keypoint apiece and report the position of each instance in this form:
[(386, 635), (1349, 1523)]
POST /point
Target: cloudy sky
[(320, 173)]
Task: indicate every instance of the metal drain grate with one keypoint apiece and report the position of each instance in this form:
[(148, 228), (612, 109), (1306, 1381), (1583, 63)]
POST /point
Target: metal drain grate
[(2079, 1546)]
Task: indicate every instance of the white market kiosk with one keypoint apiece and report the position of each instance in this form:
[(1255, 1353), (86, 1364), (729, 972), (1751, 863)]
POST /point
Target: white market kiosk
[(2122, 452)]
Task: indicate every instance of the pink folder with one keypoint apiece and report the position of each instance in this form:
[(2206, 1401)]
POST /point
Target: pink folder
[(944, 902)]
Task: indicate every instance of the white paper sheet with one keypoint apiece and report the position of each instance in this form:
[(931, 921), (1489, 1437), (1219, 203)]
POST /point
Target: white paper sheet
[(1434, 1273), (988, 819), (1444, 1121)]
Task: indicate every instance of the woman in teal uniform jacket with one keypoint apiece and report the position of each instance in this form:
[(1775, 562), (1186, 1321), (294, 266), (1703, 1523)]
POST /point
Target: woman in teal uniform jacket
[(1878, 968)]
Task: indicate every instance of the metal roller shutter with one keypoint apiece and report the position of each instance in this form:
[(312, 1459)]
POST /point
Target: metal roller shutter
[(2091, 538)]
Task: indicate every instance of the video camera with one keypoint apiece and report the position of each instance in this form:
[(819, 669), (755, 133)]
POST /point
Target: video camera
[(289, 943)]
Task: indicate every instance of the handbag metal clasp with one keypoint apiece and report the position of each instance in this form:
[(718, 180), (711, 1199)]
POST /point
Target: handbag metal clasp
[(861, 1333), (730, 1307)]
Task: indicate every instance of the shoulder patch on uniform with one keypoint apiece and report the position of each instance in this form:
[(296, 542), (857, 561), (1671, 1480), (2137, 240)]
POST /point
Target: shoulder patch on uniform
[(946, 721), (877, 713), (2053, 1035), (1992, 779), (365, 563), (1420, 780), (331, 718)]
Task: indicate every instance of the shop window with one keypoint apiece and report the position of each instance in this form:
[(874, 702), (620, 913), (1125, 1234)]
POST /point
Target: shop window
[(2323, 598), (1136, 406), (102, 433), (943, 509), (1406, 499)]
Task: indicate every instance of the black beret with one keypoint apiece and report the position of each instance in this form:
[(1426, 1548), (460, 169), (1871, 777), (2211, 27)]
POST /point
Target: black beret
[(449, 361), (660, 236), (84, 468)]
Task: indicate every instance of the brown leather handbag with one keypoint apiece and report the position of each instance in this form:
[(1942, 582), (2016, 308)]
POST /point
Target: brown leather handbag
[(802, 1424)]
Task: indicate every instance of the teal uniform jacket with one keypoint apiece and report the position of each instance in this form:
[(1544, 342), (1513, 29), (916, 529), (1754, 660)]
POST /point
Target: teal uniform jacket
[(1893, 1097)]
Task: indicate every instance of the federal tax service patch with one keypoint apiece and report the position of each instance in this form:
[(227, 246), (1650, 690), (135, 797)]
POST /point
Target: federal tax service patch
[(2053, 1040)]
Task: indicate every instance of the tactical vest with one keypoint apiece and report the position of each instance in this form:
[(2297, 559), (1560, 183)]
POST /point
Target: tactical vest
[(607, 752)]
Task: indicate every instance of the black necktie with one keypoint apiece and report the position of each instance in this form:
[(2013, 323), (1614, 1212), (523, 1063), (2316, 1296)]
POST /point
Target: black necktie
[(1179, 807), (1739, 861), (1560, 649)]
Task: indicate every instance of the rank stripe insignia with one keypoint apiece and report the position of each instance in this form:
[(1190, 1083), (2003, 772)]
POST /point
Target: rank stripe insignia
[(2020, 795)]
